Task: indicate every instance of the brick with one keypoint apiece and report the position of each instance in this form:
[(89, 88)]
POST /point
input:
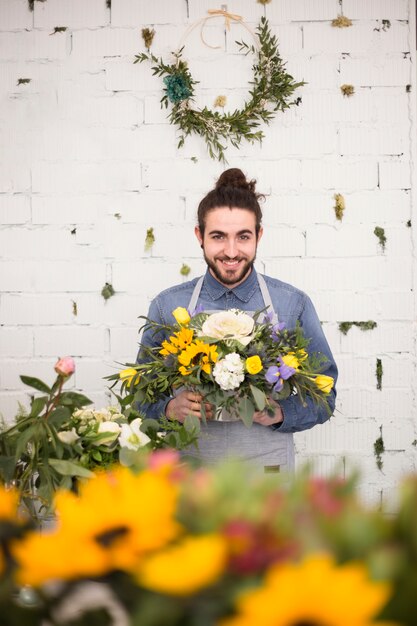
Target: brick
[(14, 176), (291, 242), (90, 177), (11, 372), (394, 175), (273, 176), (282, 141), (16, 342), (69, 276), (119, 309), (390, 140), (342, 435), (123, 75), (16, 309), (21, 243), (371, 403), (30, 45), (118, 110), (394, 9), (76, 341), (16, 276), (388, 338), (153, 275), (14, 209), (322, 107), (9, 404), (380, 206), (379, 70), (14, 15), (91, 373), (124, 343), (142, 13), (318, 71), (360, 38), (249, 11), (75, 14), (339, 241), (106, 42), (166, 174), (340, 175), (286, 10)]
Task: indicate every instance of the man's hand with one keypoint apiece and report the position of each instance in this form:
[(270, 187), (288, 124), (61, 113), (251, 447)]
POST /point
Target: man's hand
[(187, 403), (262, 417)]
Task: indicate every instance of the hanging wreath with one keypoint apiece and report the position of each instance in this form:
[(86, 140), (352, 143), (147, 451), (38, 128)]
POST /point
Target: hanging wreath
[(272, 89)]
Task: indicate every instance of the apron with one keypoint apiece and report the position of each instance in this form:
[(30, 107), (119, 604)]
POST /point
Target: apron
[(269, 450)]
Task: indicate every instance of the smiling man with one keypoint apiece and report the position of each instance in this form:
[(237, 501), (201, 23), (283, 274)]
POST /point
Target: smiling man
[(229, 230)]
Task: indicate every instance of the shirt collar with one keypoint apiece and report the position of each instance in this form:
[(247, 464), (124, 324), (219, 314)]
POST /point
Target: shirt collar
[(243, 292)]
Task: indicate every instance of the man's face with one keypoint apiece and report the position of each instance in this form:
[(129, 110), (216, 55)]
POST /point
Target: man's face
[(229, 244)]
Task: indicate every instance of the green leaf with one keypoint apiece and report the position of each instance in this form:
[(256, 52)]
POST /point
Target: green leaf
[(7, 468), (70, 468), (259, 397), (38, 404), (35, 383), (59, 416), (128, 457), (71, 398), (192, 424), (246, 411)]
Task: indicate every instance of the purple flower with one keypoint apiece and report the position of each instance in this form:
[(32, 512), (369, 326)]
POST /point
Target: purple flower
[(268, 317), (285, 370), (273, 377), (276, 375), (276, 329)]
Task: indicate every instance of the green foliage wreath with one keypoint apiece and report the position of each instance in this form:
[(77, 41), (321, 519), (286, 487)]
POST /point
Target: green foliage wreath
[(272, 89)]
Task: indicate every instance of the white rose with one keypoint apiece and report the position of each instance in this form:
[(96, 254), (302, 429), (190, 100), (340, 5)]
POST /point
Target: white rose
[(131, 436), (229, 372), (112, 429), (68, 436), (231, 324)]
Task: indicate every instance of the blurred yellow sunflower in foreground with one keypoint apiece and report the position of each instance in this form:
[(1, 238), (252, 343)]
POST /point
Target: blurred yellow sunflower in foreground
[(316, 592), (186, 567), (117, 518)]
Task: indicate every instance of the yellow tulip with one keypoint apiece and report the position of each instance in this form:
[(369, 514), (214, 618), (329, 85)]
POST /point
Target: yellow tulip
[(127, 375), (253, 364), (291, 361), (181, 315), (324, 383)]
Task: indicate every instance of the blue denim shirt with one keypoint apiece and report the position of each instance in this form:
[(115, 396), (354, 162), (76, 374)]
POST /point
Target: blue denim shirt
[(290, 304)]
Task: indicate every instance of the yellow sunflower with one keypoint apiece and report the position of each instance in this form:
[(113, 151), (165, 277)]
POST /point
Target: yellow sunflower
[(316, 591), (197, 353), (9, 501), (186, 567), (177, 342), (117, 519)]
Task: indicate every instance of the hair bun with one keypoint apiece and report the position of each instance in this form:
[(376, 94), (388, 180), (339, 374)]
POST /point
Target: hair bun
[(234, 177)]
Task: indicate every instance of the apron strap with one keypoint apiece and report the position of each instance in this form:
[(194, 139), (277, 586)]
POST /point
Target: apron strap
[(262, 286), (196, 293), (266, 296)]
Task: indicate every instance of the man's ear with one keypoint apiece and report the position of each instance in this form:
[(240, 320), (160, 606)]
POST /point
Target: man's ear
[(198, 235), (261, 232)]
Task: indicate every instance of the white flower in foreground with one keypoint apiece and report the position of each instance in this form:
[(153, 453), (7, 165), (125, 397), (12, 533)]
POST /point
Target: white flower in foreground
[(131, 436), (232, 324), (68, 436), (111, 429), (229, 372)]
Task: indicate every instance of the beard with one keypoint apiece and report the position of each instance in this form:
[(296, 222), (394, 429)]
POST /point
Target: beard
[(229, 277)]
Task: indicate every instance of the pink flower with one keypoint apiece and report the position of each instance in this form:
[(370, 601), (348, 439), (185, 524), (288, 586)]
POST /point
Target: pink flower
[(65, 367)]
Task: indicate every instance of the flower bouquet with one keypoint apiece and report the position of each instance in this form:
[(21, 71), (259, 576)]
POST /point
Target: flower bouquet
[(239, 363), (60, 441), (220, 546)]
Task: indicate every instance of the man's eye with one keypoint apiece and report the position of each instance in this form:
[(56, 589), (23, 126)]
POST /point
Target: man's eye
[(244, 237), (217, 237)]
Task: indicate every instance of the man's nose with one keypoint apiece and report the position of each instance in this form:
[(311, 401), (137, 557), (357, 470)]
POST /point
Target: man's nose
[(230, 248)]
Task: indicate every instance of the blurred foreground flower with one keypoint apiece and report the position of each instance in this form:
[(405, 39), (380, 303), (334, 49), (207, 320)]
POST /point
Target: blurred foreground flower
[(219, 546)]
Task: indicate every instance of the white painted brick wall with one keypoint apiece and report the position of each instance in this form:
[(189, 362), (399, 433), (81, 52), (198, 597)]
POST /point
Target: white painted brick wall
[(89, 163)]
